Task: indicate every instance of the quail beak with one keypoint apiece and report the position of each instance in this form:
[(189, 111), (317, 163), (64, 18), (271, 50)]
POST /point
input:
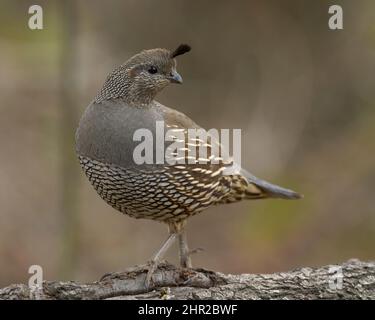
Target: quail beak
[(175, 77)]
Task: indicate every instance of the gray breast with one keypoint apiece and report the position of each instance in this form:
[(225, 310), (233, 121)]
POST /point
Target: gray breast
[(106, 130)]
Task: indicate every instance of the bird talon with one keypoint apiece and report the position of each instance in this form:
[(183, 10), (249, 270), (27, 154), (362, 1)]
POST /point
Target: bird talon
[(107, 275), (196, 250), (152, 266)]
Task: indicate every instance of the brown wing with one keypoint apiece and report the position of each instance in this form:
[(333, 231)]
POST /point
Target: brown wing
[(210, 175)]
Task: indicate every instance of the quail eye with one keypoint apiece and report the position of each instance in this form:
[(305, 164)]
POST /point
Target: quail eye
[(152, 70)]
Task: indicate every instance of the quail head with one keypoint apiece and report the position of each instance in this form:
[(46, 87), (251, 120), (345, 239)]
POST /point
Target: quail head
[(162, 191)]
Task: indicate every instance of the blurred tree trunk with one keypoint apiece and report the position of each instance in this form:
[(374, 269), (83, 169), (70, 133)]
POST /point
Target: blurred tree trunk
[(67, 124)]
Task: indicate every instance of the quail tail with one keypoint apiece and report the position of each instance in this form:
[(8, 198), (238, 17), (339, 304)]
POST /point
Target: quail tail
[(270, 190)]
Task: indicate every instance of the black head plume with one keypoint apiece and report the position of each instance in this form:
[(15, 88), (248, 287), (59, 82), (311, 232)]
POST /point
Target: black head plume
[(181, 49)]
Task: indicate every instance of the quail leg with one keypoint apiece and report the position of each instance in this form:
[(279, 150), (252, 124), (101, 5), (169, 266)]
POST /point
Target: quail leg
[(185, 260), (159, 255)]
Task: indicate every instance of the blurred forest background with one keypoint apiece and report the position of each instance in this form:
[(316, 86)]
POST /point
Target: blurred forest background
[(303, 95)]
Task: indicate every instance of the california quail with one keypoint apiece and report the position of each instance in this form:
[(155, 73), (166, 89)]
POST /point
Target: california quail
[(168, 193)]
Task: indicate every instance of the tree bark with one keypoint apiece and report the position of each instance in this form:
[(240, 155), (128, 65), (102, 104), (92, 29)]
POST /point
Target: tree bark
[(353, 279)]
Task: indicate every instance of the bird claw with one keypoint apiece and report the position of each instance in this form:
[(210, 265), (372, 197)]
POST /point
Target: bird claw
[(107, 275), (196, 250), (152, 266)]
